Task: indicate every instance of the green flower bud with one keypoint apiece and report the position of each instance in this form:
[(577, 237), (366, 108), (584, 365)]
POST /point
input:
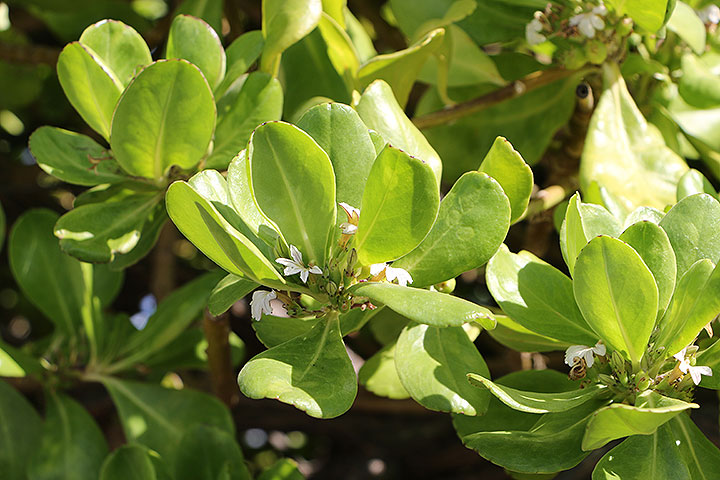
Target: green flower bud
[(446, 287), (624, 27), (573, 59), (331, 288), (596, 51)]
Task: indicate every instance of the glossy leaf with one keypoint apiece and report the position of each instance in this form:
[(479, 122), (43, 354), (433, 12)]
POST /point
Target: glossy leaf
[(379, 374), (617, 295), (472, 222), (537, 402), (644, 214), (693, 182), (693, 227), (652, 244), (630, 460), (294, 185), (400, 205), (344, 137), (425, 306), (72, 445), (312, 372), (625, 154), (537, 296), (620, 420), (340, 50), (201, 223), (401, 68), (128, 461), (241, 55), (381, 112), (260, 100), (710, 357), (195, 41), (165, 117), (506, 165), (21, 433), (16, 363), (228, 291), (433, 363), (210, 11), (648, 14), (583, 222), (284, 23), (206, 452), (698, 85), (696, 303), (74, 158), (158, 417), (514, 336), (688, 26), (700, 454), (90, 86), (119, 46)]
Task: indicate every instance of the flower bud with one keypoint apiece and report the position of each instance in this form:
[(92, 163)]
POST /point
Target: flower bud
[(596, 51), (624, 27), (447, 286), (573, 59), (331, 288)]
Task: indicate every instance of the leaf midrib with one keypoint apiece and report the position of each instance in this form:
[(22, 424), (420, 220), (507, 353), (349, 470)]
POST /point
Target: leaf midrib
[(616, 311), (118, 386)]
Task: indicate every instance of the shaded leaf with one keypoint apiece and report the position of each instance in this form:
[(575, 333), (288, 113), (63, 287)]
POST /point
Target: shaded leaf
[(128, 461), (284, 23), (20, 435), (206, 452), (228, 291)]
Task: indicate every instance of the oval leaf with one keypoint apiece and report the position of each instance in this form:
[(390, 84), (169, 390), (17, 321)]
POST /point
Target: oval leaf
[(22, 429), (195, 41), (284, 22), (128, 461)]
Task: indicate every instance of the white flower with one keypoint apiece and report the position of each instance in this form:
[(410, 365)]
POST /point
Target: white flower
[(589, 22), (148, 305), (696, 372), (296, 265), (353, 214), (584, 352), (710, 14), (260, 303), (391, 273), (532, 32), (348, 228)]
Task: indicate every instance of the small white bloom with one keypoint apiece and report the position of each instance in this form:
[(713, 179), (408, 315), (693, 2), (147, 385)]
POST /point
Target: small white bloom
[(148, 305), (260, 303), (402, 276), (589, 22), (296, 265), (377, 268), (352, 212), (696, 372), (710, 14), (532, 32), (348, 228), (584, 352)]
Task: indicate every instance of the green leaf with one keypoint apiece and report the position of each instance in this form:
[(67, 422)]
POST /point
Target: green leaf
[(507, 166), (241, 55), (51, 280), (644, 214), (620, 420), (119, 47), (380, 376), (283, 469), (172, 317), (273, 331), (400, 69), (472, 222), (189, 351), (195, 41), (339, 131), (312, 372), (284, 22), (625, 154), (649, 14), (711, 358), (206, 452), (432, 364), (424, 306), (696, 303), (128, 461), (294, 185), (380, 111), (335, 9), (16, 363), (700, 454), (583, 222), (210, 11), (228, 291), (158, 417), (688, 26), (340, 51), (72, 445), (617, 295), (692, 226), (400, 205), (698, 84), (537, 402), (74, 158), (653, 245), (20, 433), (165, 117), (201, 223), (90, 86), (693, 182), (537, 296), (260, 100), (514, 336), (630, 460)]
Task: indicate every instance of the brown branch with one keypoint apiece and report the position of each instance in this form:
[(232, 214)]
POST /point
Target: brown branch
[(162, 281), (222, 376), (515, 89), (29, 54)]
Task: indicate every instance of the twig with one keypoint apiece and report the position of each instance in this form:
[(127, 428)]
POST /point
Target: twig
[(162, 281), (515, 89), (222, 376)]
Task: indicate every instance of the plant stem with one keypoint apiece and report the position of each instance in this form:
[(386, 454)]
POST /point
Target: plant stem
[(222, 376), (512, 90)]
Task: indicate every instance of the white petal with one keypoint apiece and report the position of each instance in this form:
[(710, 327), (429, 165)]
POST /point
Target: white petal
[(702, 370), (575, 351), (148, 304), (139, 320), (586, 28), (260, 303), (696, 375), (348, 228), (600, 10), (316, 270), (350, 211), (684, 366), (534, 38), (285, 261), (600, 349), (399, 274), (377, 268), (680, 356), (304, 274), (295, 254), (292, 270), (597, 22), (574, 21)]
